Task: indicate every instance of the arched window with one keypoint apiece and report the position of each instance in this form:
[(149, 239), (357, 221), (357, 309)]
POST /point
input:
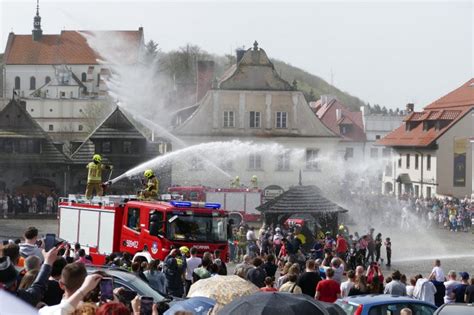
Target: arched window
[(83, 77), (32, 83), (47, 80), (17, 83)]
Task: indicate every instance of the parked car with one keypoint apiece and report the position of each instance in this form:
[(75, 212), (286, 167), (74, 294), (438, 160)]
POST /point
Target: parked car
[(383, 304), (131, 282), (455, 309)]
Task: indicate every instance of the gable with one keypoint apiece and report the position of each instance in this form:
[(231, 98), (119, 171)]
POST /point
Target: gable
[(117, 125)]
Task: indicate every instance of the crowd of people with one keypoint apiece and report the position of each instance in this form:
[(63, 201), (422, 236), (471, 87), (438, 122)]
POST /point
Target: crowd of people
[(19, 203)]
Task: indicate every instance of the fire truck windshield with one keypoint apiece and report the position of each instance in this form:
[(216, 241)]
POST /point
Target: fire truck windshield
[(194, 227)]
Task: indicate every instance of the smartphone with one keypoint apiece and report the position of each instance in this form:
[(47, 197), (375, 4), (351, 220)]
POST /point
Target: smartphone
[(106, 289), (128, 295), (146, 305), (49, 241)]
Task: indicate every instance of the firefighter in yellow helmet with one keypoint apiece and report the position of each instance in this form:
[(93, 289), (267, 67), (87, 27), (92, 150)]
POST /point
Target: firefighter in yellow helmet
[(254, 181), (94, 176), (150, 191), (236, 182)]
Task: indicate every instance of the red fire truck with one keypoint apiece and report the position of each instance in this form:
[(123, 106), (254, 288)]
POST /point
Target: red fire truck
[(146, 229), (239, 202)]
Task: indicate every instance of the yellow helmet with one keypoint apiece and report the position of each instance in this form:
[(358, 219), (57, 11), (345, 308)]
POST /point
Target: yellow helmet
[(97, 158), (237, 177), (148, 173), (184, 249), (254, 177)]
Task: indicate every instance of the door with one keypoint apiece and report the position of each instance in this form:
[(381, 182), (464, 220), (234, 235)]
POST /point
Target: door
[(153, 232), (131, 230)]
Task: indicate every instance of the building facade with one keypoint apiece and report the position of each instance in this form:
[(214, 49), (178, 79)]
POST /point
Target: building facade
[(433, 148), (253, 103)]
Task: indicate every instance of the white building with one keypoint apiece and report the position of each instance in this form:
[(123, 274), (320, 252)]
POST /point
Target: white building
[(52, 71), (434, 154), (253, 103)]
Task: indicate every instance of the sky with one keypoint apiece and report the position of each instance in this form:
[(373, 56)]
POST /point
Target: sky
[(384, 52)]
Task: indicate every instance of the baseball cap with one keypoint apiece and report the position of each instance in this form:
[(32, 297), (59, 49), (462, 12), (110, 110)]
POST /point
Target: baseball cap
[(464, 275), (7, 271)]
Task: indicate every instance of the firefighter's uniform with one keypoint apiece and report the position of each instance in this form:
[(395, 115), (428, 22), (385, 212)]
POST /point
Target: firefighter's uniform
[(94, 176), (151, 186)]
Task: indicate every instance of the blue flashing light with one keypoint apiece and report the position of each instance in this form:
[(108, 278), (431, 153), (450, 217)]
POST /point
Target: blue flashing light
[(212, 205), (181, 204)]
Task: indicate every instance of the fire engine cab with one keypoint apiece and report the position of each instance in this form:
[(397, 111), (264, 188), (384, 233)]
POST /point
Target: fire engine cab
[(146, 229), (241, 203)]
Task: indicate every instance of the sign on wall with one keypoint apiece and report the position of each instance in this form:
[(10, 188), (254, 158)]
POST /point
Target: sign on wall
[(459, 173)]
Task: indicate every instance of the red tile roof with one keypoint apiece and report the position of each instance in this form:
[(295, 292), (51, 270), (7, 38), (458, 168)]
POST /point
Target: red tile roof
[(69, 47), (327, 114), (451, 107)]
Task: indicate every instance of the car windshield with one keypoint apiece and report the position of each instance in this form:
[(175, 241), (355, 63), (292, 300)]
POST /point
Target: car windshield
[(349, 309), (196, 227), (142, 288)]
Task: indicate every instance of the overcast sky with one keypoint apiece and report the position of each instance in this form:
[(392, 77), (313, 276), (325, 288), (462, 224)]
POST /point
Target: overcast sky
[(386, 52)]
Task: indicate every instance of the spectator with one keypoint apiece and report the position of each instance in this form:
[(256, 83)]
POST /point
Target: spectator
[(469, 296), (338, 267), (437, 273), (86, 309), (113, 309), (406, 311), (242, 269), (460, 289), (268, 285), (203, 271), (83, 258), (29, 247), (309, 279), (222, 268), (270, 266), (192, 263), (291, 286), (257, 274), (54, 293), (346, 286), (360, 286), (328, 290), (136, 269), (13, 251), (32, 262), (28, 279), (411, 287), (395, 287), (156, 278), (174, 285), (424, 290), (450, 296)]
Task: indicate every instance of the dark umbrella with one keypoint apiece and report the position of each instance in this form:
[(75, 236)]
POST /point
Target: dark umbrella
[(197, 305), (275, 303)]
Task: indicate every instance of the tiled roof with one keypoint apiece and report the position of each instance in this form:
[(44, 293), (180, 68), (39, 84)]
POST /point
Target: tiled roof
[(69, 47), (300, 199), (327, 114), (451, 107)]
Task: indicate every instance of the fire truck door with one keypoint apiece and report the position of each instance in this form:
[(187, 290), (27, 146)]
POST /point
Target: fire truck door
[(131, 228), (153, 232)]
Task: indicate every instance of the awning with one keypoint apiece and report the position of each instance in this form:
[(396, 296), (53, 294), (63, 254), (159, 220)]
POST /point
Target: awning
[(404, 178)]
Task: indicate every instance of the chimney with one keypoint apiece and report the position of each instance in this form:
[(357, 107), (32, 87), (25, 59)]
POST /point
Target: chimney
[(338, 114), (205, 75), (410, 108), (239, 54)]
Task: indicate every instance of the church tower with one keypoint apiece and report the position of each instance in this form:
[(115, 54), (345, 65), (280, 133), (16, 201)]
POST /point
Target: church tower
[(37, 31)]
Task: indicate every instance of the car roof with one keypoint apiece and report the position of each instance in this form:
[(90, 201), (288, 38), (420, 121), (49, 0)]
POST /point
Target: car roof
[(114, 271), (457, 308), (380, 299)]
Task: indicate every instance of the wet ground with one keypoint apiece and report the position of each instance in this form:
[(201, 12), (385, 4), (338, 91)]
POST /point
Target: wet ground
[(413, 250)]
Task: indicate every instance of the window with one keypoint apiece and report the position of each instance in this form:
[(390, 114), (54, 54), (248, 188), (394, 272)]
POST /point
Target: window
[(23, 146), (281, 120), (71, 94), (417, 309), (311, 159), (50, 127), (417, 190), (377, 137), (283, 162), (62, 94), (400, 162), (47, 79), (133, 218), (428, 192), (17, 83), (343, 129), (106, 147), (33, 146), (8, 146), (349, 153), (386, 152), (98, 79), (408, 161), (80, 127), (255, 162), (83, 77), (416, 161), (374, 153), (127, 147), (254, 119), (228, 119), (428, 162), (196, 164), (32, 83)]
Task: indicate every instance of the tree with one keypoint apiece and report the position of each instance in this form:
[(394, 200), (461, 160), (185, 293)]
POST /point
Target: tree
[(151, 51)]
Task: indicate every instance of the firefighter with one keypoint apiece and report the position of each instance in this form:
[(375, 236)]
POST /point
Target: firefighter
[(236, 182), (151, 184), (94, 176), (254, 181)]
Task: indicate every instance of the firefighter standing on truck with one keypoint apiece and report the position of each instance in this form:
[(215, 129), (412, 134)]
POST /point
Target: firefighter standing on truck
[(151, 183), (94, 176)]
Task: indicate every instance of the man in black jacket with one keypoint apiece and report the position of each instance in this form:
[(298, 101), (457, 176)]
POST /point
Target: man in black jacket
[(34, 294), (309, 279)]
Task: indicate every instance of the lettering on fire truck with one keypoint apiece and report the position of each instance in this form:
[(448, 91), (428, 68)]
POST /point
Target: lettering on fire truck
[(132, 244)]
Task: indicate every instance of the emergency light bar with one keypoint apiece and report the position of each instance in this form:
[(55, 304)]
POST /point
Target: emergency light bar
[(193, 204)]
